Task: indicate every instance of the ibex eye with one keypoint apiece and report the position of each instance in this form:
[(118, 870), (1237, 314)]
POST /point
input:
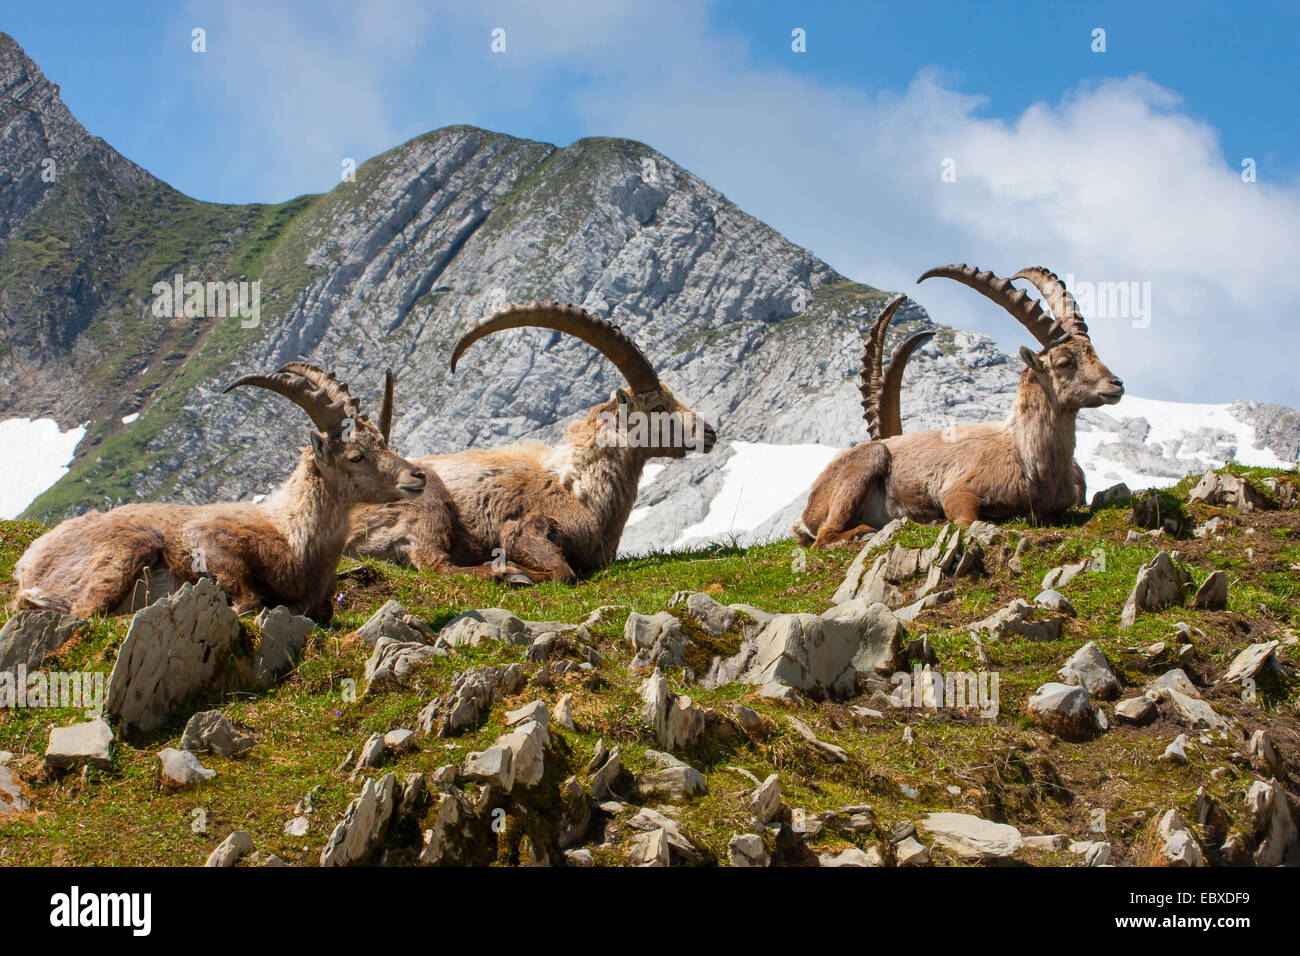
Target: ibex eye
[(356, 456)]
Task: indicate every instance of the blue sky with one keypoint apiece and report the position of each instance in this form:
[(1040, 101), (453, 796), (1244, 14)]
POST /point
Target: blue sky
[(1122, 166)]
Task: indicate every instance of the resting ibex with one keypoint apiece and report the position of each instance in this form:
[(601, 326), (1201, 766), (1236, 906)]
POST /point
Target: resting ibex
[(281, 551), (1023, 467), (547, 511)]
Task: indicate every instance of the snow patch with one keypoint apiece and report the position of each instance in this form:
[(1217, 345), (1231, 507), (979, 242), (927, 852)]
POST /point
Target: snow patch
[(128, 419), (40, 455), (758, 481)]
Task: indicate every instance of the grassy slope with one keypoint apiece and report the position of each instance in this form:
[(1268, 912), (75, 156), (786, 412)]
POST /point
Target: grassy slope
[(305, 728)]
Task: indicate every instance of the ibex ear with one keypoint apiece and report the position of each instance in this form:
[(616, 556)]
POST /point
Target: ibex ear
[(320, 448), (622, 396), (1032, 360)]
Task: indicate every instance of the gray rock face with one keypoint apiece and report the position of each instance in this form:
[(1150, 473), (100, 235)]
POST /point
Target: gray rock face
[(677, 721), (1272, 822), (1088, 668), (972, 837), (487, 624), (90, 743), (765, 801), (361, 831), (1177, 846), (1022, 619), (284, 636), (1227, 491), (657, 641), (679, 782), (393, 622), (31, 636), (390, 664), (231, 850), (1160, 583), (11, 794), (179, 769), (1062, 709), (1251, 661), (211, 731), (1212, 595), (827, 653), (1191, 712), (472, 693), (176, 647), (747, 849)]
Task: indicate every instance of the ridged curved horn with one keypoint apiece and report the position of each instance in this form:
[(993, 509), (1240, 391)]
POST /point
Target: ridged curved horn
[(873, 354), (1058, 298), (386, 410), (600, 334), (1027, 311), (891, 422), (317, 392)]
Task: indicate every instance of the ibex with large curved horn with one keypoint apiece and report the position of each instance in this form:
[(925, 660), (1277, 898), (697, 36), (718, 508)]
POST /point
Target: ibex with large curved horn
[(1022, 467), (547, 512), (283, 550)]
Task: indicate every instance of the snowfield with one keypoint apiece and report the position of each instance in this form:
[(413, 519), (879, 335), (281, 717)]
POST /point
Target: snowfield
[(40, 457)]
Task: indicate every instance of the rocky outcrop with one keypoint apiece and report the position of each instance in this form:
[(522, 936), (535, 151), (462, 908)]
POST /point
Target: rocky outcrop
[(176, 647)]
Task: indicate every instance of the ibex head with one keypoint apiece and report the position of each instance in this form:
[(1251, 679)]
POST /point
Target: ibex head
[(645, 415), (1067, 366), (348, 447)]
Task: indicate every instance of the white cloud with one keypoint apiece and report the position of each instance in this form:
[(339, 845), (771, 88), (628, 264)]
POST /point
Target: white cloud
[(1113, 182)]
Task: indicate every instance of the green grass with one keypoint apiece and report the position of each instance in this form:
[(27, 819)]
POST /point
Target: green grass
[(305, 727)]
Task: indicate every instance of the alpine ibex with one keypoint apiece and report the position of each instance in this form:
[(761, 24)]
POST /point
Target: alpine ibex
[(547, 512), (1022, 467), (283, 550)]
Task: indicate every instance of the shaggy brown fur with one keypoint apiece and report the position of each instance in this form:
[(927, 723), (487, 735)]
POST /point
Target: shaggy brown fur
[(1023, 467), (281, 551), (548, 512)]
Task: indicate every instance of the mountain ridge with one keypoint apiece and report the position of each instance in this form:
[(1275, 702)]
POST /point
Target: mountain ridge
[(756, 333)]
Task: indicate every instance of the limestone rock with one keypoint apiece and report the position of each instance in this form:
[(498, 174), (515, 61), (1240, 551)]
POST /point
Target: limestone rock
[(909, 852), (392, 622), (390, 664), (229, 852), (1059, 577), (486, 624), (29, 637), (656, 641), (284, 636), (1063, 709), (1175, 844), (1135, 710), (473, 691), (1160, 583), (211, 731), (1272, 820), (90, 743), (1227, 491), (180, 768), (1088, 668), (676, 720), (674, 783), (361, 831), (765, 801), (1212, 595), (851, 856), (1053, 600), (1191, 712), (1020, 618), (176, 647), (11, 794), (972, 837), (491, 766), (747, 849), (1251, 661)]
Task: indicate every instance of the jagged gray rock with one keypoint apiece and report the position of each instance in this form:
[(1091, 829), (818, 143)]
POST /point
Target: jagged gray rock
[(90, 742), (972, 837), (1088, 668), (179, 769), (284, 636), (677, 721), (29, 637), (390, 664), (176, 647), (1160, 583), (211, 731), (361, 831)]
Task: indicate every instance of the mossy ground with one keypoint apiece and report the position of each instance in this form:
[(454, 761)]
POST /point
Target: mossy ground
[(1002, 768)]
